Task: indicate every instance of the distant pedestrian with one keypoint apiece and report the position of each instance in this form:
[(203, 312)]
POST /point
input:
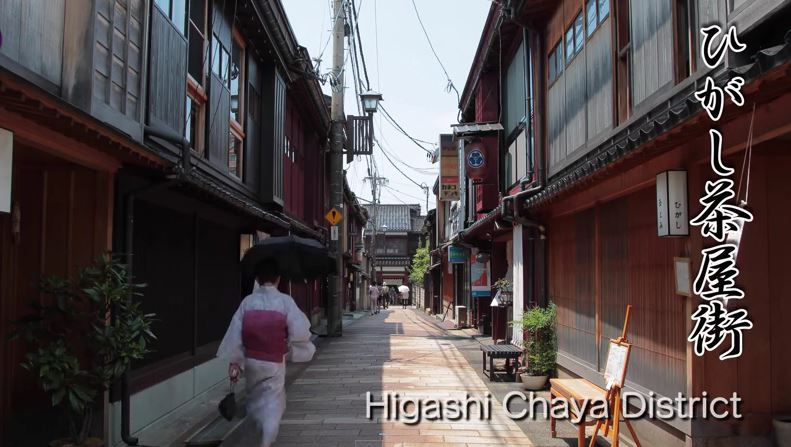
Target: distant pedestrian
[(404, 292), (373, 293), (386, 296)]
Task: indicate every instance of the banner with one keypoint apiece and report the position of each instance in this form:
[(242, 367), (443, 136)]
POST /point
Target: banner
[(480, 279), (448, 169)]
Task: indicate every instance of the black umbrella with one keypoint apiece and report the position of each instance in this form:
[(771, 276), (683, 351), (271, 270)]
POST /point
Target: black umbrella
[(296, 257)]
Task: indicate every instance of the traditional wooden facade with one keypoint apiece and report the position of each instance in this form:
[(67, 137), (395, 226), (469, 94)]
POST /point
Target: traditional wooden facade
[(174, 132), (601, 95)]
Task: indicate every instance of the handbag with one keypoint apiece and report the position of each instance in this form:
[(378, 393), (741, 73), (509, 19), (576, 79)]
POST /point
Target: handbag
[(227, 406)]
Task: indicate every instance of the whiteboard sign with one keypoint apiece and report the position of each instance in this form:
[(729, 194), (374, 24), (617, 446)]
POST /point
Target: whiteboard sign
[(6, 168), (617, 359)]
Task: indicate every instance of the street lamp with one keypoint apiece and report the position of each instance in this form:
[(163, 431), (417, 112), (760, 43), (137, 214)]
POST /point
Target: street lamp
[(370, 100)]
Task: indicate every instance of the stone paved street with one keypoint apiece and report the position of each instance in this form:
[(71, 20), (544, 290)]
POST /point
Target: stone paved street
[(399, 351)]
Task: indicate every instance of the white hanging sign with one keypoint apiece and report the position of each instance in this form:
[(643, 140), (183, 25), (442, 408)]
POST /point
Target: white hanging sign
[(6, 169), (672, 217), (334, 233)]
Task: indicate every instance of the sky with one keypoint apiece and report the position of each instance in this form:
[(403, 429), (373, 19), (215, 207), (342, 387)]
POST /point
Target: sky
[(402, 67)]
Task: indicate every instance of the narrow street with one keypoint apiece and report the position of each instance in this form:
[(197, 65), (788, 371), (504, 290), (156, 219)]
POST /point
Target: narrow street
[(398, 351)]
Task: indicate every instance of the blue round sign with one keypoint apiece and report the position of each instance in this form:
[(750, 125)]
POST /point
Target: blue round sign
[(475, 158)]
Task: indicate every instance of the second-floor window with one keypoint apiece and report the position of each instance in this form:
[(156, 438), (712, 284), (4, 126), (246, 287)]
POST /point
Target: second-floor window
[(556, 62), (596, 11), (196, 77), (176, 11), (574, 38), (236, 83)]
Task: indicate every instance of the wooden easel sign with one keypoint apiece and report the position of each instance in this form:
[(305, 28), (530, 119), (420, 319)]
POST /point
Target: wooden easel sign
[(615, 376), (617, 361)]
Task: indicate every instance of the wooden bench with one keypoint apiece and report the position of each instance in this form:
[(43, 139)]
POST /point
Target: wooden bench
[(587, 396), (508, 352), (583, 393)]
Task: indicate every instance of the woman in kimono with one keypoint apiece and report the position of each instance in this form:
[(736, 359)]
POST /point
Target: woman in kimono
[(267, 328)]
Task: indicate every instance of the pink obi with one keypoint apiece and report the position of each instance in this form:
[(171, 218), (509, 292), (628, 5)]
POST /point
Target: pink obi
[(264, 335)]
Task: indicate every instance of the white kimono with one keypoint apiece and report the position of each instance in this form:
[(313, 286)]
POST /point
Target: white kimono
[(265, 380)]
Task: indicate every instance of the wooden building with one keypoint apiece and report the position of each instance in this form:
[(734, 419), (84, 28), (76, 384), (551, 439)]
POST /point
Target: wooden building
[(176, 132), (356, 274), (398, 235), (596, 99)]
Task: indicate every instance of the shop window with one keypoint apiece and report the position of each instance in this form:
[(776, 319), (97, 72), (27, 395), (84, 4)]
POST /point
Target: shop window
[(176, 11)]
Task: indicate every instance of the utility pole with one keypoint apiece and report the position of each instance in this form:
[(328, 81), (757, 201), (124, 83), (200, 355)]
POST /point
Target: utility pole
[(425, 189), (335, 301)]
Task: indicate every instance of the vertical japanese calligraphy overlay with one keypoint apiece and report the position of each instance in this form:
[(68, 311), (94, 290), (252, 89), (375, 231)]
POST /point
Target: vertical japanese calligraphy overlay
[(719, 219)]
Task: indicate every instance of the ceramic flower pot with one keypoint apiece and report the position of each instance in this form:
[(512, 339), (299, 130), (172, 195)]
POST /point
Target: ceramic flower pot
[(534, 383), (782, 429)]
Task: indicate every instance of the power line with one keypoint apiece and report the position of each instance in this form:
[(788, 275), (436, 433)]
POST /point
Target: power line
[(389, 118), (428, 39), (423, 171), (395, 166), (360, 45)]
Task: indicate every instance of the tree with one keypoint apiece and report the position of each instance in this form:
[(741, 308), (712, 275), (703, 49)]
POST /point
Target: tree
[(420, 265)]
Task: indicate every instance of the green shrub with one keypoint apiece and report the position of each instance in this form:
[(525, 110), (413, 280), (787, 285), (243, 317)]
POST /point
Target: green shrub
[(541, 344), (101, 310)]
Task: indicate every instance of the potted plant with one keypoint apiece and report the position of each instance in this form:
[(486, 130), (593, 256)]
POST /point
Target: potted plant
[(540, 345), (101, 313)]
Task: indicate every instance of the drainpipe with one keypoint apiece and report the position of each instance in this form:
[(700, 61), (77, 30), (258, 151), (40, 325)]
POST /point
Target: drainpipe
[(182, 142), (539, 175)]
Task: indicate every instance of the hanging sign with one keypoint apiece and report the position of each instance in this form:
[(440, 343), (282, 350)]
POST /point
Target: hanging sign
[(456, 255), (671, 204), (448, 169), (6, 160), (475, 155)]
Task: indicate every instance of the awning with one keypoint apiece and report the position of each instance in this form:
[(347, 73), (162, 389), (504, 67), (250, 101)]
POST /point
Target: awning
[(486, 225), (434, 266), (475, 129)]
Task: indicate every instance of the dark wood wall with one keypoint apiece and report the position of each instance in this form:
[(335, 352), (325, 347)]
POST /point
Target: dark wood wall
[(64, 225)]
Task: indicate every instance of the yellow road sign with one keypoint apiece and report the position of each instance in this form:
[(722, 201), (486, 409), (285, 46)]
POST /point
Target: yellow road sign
[(333, 216)]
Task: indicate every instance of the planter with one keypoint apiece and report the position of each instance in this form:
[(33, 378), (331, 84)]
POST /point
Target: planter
[(534, 383), (782, 429)]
